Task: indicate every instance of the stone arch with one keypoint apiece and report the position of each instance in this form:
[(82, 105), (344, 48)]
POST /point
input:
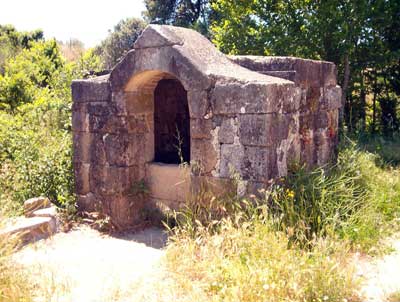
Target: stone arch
[(161, 99)]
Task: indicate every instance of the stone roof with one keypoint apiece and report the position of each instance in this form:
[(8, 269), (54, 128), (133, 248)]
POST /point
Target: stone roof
[(201, 53)]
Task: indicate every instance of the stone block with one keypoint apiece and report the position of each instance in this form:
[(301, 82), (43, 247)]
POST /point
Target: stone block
[(206, 186), (201, 128), (259, 164), (33, 204), (93, 90), (97, 149), (124, 149), (125, 211), (30, 229), (168, 182), (307, 155), (139, 102), (321, 119), (47, 212), (231, 160), (108, 180), (322, 147), (82, 185), (82, 142), (228, 130), (199, 103), (142, 123), (202, 151), (89, 203), (263, 130), (331, 98), (80, 118)]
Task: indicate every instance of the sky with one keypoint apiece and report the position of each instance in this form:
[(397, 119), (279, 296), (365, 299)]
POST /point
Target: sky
[(86, 20)]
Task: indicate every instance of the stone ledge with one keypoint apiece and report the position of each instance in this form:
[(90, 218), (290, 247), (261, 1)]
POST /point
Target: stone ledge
[(30, 229)]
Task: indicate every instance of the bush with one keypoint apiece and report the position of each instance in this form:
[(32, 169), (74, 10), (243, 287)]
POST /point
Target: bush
[(353, 199)]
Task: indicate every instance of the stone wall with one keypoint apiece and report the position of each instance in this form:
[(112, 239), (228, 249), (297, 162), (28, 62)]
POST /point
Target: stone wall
[(319, 103)]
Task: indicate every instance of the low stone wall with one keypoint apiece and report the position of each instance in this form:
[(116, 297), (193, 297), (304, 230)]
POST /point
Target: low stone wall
[(319, 104)]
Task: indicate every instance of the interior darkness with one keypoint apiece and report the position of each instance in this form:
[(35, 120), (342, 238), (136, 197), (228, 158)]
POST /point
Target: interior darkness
[(171, 123)]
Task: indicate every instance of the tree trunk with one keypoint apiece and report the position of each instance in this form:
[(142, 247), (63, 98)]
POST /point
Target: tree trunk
[(374, 107), (346, 77)]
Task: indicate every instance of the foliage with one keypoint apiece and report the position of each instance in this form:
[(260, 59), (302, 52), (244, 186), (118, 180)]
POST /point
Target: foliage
[(35, 124), (13, 41), (185, 13), (37, 66), (119, 41)]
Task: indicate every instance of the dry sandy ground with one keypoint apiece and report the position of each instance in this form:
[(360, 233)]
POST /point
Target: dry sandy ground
[(382, 274), (84, 265)]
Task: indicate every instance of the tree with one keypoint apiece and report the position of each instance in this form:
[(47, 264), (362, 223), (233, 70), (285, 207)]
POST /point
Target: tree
[(119, 41), (184, 13), (33, 68), (359, 36), (13, 41)]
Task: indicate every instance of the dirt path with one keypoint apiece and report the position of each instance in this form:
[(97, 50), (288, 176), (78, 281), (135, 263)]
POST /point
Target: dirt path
[(381, 275), (84, 265)]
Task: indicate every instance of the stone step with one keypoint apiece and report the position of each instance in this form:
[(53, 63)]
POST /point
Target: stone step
[(30, 229), (33, 204), (47, 212)]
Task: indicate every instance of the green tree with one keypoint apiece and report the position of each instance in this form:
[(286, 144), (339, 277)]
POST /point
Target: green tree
[(119, 41), (185, 13), (36, 67), (359, 36)]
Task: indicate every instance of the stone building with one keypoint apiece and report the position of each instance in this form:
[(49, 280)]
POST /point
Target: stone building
[(175, 98)]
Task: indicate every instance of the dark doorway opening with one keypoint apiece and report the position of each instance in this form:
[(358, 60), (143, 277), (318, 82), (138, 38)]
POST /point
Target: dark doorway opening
[(171, 123)]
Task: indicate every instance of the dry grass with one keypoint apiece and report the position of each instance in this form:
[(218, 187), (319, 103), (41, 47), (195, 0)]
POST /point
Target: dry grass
[(14, 282), (251, 262)]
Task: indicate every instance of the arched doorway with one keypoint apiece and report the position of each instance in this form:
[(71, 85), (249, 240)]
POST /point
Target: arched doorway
[(171, 123)]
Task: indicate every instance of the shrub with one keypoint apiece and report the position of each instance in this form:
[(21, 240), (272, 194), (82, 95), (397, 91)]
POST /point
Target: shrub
[(353, 199)]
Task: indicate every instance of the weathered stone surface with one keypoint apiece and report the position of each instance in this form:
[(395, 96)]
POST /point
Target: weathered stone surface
[(168, 182), (124, 149), (307, 72), (259, 163), (231, 160), (203, 153), (263, 130), (108, 180), (81, 143), (82, 186), (211, 186), (33, 204), (47, 212), (241, 122), (154, 37), (94, 90), (200, 128), (30, 229), (228, 130), (89, 203), (80, 118)]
